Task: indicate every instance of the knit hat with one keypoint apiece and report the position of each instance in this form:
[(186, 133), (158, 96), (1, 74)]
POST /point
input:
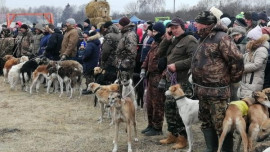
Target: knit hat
[(92, 33), (159, 27), (19, 23), (241, 15), (108, 24), (251, 16), (255, 33), (87, 21), (225, 21), (39, 26), (238, 30), (150, 27), (71, 21), (24, 26), (86, 32), (124, 21), (240, 22), (263, 16), (216, 12), (178, 22), (206, 18)]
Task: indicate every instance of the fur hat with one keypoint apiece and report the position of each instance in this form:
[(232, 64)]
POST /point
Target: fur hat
[(71, 21), (238, 30), (87, 21), (251, 16), (240, 22), (225, 21), (24, 26), (159, 27), (108, 24), (263, 16), (255, 33), (178, 22), (124, 21), (216, 12), (206, 18)]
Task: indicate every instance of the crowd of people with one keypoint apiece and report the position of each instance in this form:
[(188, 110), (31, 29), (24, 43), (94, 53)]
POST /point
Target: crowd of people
[(226, 56)]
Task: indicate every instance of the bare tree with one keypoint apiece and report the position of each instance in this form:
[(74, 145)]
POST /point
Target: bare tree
[(131, 8)]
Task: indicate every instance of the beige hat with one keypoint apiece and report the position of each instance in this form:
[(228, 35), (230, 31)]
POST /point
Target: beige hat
[(238, 30), (216, 12), (40, 27)]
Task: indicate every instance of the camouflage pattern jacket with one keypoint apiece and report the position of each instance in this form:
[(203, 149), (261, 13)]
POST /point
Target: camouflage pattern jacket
[(150, 63), (23, 42), (109, 46), (127, 47), (216, 64), (6, 46), (35, 43)]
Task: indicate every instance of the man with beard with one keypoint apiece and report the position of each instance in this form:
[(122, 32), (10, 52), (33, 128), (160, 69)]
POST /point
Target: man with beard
[(216, 64), (23, 42)]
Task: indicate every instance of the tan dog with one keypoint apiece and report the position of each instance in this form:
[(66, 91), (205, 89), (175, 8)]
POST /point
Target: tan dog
[(124, 112), (38, 76), (98, 70), (257, 115), (234, 120), (102, 92)]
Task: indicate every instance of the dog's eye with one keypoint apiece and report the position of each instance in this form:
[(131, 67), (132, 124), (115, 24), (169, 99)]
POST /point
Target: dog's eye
[(263, 130), (265, 98)]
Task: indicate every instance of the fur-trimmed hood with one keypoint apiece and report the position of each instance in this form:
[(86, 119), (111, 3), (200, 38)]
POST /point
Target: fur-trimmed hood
[(263, 41), (113, 29), (127, 28), (94, 37)]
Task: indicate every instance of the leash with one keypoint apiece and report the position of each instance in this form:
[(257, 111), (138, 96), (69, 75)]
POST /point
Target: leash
[(172, 77), (133, 88)]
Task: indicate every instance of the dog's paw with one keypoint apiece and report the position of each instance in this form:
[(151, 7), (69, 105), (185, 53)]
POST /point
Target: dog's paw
[(114, 149), (136, 139), (129, 150), (111, 124)]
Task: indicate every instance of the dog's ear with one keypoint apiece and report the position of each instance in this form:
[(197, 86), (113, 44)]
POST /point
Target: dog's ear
[(255, 94), (103, 72), (266, 90), (173, 88)]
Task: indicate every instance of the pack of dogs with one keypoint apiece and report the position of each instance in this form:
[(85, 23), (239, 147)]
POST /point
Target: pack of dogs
[(119, 98)]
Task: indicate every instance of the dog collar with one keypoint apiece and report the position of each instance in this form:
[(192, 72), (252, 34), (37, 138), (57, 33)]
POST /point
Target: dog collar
[(96, 89), (180, 97)]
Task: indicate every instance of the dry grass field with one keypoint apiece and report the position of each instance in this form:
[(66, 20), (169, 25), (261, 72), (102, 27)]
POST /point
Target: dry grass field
[(46, 123)]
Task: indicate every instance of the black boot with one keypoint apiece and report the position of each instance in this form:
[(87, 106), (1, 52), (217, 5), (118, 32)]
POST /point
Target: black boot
[(228, 143), (211, 139), (153, 132), (146, 129)]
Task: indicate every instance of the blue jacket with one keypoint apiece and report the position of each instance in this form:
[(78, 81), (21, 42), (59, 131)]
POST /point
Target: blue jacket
[(91, 56), (54, 45), (145, 49), (43, 43)]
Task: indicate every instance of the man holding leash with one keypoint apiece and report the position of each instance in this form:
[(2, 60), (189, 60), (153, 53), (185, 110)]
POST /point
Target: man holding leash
[(216, 64), (178, 47)]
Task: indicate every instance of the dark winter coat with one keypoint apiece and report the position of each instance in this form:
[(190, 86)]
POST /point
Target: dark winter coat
[(91, 56), (43, 43), (146, 48), (54, 45), (216, 63)]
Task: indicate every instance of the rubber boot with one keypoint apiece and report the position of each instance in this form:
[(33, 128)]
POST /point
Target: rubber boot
[(169, 140), (211, 139), (181, 142), (228, 143)]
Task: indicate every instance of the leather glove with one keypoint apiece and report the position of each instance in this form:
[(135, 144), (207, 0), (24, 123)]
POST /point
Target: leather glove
[(142, 74), (162, 84), (63, 57)]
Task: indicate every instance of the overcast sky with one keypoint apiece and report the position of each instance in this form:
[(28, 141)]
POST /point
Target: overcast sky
[(116, 5)]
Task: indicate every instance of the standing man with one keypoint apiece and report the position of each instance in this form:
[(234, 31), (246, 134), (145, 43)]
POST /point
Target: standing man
[(70, 40), (23, 42), (127, 47), (112, 37), (54, 45), (178, 47), (216, 64)]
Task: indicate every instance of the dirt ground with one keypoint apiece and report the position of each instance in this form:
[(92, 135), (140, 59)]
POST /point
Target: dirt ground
[(46, 123)]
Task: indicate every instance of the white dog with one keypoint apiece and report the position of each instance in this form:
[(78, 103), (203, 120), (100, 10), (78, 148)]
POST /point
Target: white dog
[(188, 110), (14, 75)]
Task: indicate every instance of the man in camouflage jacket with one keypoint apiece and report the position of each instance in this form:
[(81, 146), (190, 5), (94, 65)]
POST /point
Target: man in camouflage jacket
[(216, 64), (127, 47), (6, 47), (109, 46), (23, 41)]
